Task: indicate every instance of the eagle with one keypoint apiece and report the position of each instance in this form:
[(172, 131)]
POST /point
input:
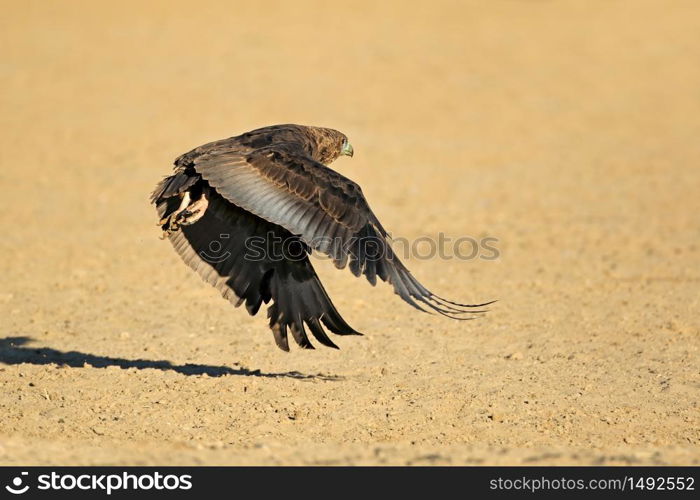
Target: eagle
[(227, 201)]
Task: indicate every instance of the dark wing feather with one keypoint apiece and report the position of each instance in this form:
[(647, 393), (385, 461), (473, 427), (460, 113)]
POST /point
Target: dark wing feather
[(215, 247), (325, 209)]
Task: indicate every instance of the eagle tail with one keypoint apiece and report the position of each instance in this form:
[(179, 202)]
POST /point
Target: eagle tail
[(174, 185)]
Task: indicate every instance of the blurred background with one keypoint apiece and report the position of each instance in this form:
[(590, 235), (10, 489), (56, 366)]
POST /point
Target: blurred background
[(566, 129)]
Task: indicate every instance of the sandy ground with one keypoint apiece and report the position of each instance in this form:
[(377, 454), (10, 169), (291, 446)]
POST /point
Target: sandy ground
[(567, 130)]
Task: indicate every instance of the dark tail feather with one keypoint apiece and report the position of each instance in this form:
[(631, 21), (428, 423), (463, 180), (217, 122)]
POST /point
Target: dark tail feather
[(174, 184)]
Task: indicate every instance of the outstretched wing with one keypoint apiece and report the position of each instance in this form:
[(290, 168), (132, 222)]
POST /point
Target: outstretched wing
[(218, 247), (325, 209)]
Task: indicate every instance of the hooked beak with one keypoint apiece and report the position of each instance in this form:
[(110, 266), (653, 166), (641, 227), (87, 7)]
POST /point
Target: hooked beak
[(347, 149)]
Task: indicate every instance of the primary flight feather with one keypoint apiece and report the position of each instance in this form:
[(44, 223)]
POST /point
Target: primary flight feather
[(228, 201)]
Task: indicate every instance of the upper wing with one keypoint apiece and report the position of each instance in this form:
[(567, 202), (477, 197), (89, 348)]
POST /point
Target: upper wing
[(325, 209), (217, 248)]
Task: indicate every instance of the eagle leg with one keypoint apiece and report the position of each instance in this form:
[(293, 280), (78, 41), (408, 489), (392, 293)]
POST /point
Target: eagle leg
[(187, 213), (194, 211)]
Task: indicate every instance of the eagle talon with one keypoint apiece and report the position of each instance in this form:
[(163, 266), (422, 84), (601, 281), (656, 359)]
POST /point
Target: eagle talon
[(193, 212), (181, 217), (187, 214), (169, 225)]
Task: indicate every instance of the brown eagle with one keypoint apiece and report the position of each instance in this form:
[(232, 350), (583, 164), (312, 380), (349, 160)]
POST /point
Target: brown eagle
[(227, 201)]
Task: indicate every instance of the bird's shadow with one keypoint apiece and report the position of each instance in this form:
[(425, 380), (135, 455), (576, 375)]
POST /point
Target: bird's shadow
[(13, 352)]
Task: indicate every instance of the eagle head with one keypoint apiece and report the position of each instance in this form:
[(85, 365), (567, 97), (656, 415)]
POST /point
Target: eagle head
[(329, 145)]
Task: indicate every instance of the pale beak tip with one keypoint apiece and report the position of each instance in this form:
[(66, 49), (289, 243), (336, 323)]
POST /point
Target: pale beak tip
[(347, 150)]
